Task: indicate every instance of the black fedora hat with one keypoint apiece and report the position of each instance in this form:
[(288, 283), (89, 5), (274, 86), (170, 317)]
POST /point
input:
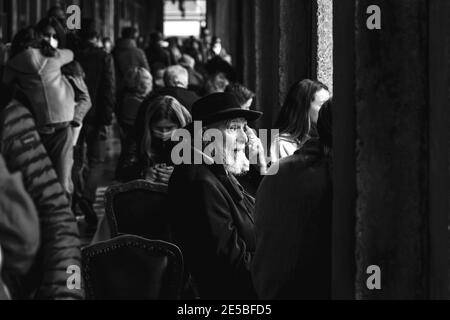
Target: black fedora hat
[(221, 106)]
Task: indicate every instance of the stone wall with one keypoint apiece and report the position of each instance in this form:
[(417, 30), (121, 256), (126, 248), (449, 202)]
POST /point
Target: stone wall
[(325, 42)]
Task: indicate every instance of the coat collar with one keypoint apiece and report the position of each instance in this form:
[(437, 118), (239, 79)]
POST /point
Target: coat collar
[(234, 188), (240, 197), (219, 171), (311, 149)]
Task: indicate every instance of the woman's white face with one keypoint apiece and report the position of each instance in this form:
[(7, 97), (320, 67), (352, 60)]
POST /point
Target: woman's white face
[(248, 104), (320, 98)]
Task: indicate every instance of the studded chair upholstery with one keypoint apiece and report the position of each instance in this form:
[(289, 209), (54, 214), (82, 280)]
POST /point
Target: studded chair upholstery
[(139, 208), (131, 267)]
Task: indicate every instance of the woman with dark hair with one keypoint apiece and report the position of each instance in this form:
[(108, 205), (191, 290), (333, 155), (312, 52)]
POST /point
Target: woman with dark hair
[(163, 116), (35, 69), (298, 117)]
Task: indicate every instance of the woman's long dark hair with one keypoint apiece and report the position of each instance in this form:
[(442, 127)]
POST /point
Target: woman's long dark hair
[(294, 120)]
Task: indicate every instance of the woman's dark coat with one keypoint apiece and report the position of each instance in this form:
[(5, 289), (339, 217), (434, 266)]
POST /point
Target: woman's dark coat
[(293, 225)]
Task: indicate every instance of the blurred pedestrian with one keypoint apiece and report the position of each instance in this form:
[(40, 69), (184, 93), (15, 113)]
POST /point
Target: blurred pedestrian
[(128, 55), (196, 80), (138, 85), (35, 69), (91, 148)]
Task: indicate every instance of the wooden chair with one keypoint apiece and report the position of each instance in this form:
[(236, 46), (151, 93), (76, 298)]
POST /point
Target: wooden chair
[(139, 208), (131, 267)]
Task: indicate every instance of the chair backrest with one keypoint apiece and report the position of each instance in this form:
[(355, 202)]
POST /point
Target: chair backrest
[(130, 267), (139, 208)]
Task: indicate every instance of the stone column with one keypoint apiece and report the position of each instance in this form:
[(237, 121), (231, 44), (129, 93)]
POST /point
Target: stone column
[(109, 19), (3, 26), (283, 38), (295, 43), (35, 14), (14, 19), (323, 45), (389, 81), (271, 45)]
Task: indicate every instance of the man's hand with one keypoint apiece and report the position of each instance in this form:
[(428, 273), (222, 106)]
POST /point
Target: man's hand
[(256, 150)]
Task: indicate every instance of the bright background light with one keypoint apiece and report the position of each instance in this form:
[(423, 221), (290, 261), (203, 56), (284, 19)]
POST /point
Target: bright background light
[(189, 24), (182, 28)]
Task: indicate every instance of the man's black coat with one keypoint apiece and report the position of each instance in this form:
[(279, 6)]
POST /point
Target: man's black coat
[(212, 217)]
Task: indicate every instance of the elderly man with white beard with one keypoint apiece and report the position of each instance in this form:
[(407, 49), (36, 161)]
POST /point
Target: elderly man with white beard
[(211, 213)]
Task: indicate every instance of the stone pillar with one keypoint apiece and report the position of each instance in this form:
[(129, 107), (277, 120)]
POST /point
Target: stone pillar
[(248, 62), (283, 38), (344, 163), (35, 14), (295, 56), (390, 80), (323, 45), (271, 45), (109, 19), (267, 37), (14, 19), (3, 24), (155, 12)]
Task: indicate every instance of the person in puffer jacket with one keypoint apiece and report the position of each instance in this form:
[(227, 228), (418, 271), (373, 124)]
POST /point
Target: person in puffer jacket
[(23, 151), (19, 229)]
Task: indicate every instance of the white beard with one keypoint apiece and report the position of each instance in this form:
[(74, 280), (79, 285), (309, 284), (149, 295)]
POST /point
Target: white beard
[(236, 163)]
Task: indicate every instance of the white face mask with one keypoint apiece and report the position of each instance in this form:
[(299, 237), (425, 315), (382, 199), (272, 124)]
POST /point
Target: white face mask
[(54, 43), (164, 136), (217, 48)]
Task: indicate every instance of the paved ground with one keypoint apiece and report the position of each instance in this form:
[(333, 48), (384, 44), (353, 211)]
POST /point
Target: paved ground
[(107, 174)]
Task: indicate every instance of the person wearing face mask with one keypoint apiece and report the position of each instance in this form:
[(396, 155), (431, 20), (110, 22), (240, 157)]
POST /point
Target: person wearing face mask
[(35, 69), (59, 19), (152, 160), (217, 50)]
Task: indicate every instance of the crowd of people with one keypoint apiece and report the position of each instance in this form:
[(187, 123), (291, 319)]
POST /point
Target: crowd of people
[(245, 230)]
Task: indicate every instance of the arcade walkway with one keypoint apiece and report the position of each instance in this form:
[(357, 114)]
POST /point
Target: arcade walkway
[(107, 179)]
